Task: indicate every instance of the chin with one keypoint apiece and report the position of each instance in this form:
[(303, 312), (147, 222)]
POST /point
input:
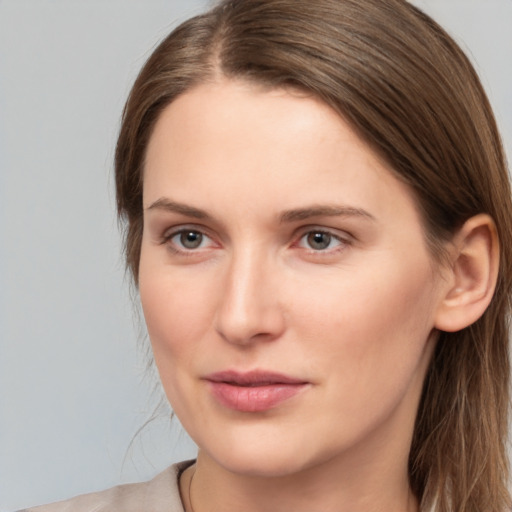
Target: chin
[(267, 466), (265, 457)]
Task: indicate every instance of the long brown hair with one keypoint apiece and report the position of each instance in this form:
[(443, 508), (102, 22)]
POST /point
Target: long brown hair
[(410, 92)]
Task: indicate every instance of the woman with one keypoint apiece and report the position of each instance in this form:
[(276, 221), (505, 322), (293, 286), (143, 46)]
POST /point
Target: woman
[(318, 212)]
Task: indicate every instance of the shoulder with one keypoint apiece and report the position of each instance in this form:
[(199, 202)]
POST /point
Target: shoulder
[(161, 494)]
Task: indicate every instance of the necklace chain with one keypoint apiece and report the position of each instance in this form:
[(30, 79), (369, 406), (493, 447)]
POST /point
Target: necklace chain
[(190, 489)]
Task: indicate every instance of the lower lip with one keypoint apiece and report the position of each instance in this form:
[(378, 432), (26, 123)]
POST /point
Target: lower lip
[(254, 398)]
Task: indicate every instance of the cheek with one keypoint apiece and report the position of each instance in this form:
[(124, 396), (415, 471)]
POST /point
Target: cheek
[(398, 296), (176, 326), (371, 328), (176, 310)]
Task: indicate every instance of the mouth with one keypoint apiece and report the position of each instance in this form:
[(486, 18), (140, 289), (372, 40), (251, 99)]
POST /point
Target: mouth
[(254, 391)]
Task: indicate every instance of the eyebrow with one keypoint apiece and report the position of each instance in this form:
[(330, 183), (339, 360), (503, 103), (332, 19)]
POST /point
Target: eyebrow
[(294, 215), (174, 207), (299, 214)]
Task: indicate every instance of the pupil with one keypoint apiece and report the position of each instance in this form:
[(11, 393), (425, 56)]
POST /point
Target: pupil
[(191, 239), (319, 240)]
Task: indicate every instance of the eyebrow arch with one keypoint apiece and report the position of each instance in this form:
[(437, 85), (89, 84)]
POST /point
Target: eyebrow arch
[(300, 214), (171, 206)]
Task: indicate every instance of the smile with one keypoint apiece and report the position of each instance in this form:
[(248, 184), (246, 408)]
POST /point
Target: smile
[(255, 391)]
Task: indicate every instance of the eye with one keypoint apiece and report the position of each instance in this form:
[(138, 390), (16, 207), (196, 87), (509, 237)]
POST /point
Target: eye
[(318, 240), (187, 240)]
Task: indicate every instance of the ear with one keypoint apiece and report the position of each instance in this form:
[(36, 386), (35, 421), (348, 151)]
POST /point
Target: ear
[(471, 278)]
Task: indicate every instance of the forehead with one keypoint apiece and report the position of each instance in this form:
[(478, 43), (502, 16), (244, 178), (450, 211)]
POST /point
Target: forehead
[(235, 142), (235, 111)]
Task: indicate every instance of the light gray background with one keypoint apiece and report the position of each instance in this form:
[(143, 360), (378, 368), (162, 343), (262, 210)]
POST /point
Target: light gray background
[(72, 392)]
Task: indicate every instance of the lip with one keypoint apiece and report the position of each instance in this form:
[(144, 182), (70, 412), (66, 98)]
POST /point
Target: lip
[(254, 391)]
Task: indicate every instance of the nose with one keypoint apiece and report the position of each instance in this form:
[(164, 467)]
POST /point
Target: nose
[(249, 309)]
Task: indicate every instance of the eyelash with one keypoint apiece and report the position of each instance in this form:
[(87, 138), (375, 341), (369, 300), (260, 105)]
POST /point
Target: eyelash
[(342, 241)]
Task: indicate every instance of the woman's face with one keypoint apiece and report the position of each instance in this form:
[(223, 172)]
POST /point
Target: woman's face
[(288, 292)]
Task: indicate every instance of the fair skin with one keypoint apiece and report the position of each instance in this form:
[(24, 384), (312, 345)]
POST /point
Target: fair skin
[(276, 241)]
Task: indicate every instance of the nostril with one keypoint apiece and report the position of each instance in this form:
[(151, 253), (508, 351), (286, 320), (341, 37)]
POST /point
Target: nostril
[(261, 325)]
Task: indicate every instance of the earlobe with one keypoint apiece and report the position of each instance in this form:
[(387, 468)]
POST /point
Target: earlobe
[(471, 279)]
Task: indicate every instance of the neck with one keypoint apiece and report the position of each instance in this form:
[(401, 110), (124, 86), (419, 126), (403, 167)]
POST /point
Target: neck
[(333, 486)]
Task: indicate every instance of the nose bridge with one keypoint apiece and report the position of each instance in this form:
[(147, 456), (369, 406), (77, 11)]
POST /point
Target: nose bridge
[(249, 307)]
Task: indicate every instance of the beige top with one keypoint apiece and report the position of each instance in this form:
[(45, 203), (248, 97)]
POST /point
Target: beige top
[(161, 494)]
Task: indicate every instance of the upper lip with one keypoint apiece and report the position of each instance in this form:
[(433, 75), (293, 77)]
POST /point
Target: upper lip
[(253, 378)]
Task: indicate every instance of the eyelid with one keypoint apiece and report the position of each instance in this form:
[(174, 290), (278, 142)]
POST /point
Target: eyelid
[(170, 231)]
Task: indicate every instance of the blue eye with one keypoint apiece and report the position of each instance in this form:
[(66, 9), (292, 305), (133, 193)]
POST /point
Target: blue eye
[(320, 240)]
